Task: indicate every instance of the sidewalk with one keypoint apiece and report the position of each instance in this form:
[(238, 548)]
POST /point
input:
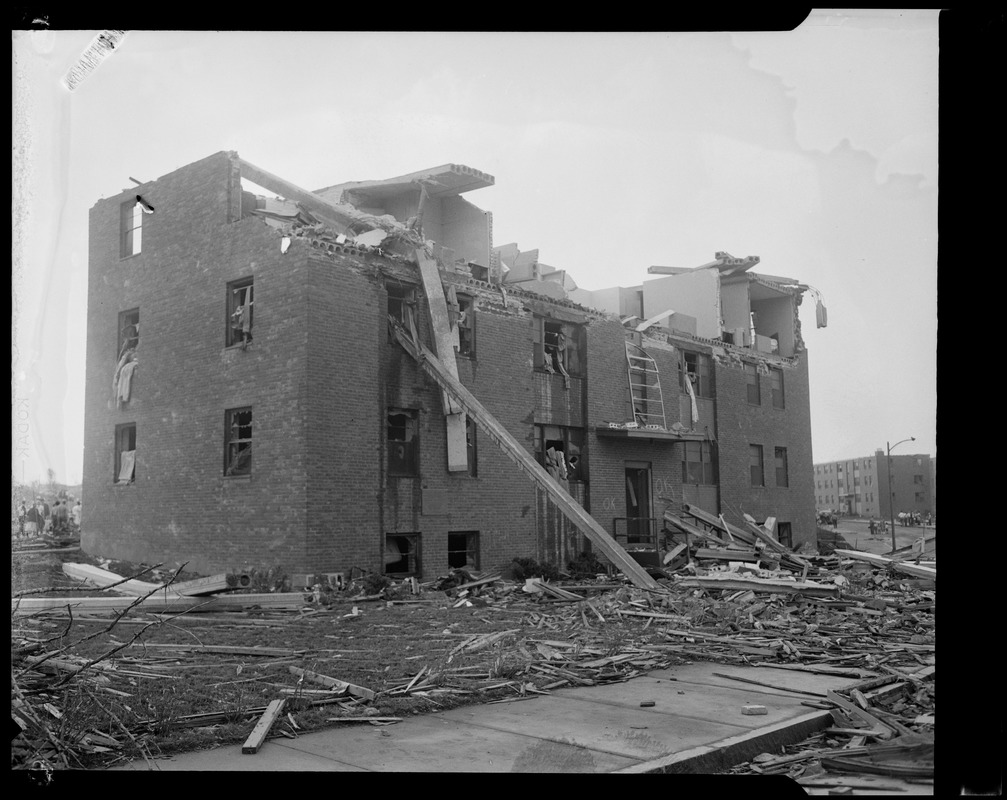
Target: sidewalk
[(694, 725)]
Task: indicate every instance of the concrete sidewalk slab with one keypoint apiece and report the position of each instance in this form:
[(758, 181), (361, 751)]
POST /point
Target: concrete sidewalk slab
[(695, 725)]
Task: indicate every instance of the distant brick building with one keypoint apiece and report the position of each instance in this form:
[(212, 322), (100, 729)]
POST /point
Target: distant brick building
[(247, 405), (859, 486)]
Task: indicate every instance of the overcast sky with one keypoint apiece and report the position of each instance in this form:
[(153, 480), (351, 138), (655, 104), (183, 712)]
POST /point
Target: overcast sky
[(814, 149)]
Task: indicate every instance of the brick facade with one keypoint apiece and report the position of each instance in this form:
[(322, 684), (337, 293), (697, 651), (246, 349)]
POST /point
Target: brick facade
[(321, 373)]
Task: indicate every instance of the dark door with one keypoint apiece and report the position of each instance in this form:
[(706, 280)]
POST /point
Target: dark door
[(638, 505)]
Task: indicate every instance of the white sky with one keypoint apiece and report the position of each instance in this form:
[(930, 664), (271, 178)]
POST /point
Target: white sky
[(814, 149)]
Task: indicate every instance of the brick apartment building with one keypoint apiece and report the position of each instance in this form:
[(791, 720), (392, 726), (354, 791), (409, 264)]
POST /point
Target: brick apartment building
[(859, 487), (248, 405)]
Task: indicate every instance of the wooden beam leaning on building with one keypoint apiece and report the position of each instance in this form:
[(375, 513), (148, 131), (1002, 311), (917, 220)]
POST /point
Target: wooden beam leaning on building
[(570, 508), (444, 347)]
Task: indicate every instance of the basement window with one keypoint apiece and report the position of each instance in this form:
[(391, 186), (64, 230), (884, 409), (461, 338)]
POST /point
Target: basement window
[(466, 326), (558, 348), (403, 442), (752, 379), (239, 312), (698, 465), (125, 453), (402, 555), (463, 549), (560, 450), (130, 228), (698, 369), (782, 476), (755, 465), (238, 442)]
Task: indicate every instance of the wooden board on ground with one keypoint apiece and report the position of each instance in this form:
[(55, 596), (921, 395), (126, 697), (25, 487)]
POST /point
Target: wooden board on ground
[(333, 683), (261, 730)]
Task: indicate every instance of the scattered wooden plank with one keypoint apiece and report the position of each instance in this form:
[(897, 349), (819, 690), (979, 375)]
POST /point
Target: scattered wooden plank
[(768, 685), (881, 561), (716, 522), (333, 683), (261, 729), (101, 578), (725, 554), (692, 530), (760, 585), (388, 720)]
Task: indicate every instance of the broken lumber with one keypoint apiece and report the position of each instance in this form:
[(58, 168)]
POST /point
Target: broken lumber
[(763, 585), (718, 522), (514, 450), (881, 561), (102, 578), (261, 730), (333, 683), (692, 530)]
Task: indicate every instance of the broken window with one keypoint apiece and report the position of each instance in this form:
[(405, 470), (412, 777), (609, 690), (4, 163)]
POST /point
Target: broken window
[(698, 370), (240, 303), (403, 442), (699, 464), (752, 378), (463, 549), (402, 555), (755, 465), (125, 453), (559, 348), (470, 446), (560, 451), (402, 305), (238, 441), (776, 381), (466, 326), (782, 478), (784, 535), (130, 228), (129, 332)]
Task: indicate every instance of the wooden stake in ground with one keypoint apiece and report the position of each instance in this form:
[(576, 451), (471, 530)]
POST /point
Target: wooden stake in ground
[(261, 730)]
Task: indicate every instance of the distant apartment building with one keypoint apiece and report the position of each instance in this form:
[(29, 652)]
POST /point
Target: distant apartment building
[(859, 487)]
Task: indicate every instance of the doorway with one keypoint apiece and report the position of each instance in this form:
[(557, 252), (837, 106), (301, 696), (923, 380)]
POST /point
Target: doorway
[(638, 503)]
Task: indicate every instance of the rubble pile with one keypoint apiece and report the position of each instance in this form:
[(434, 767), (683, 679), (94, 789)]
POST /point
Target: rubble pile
[(841, 615)]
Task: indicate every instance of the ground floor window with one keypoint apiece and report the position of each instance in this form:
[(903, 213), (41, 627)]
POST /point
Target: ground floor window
[(784, 534), (238, 441), (402, 555), (125, 453), (463, 549)]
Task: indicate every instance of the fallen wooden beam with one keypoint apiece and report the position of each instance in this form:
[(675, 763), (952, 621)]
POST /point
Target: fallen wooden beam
[(760, 585), (101, 578), (881, 561), (160, 602), (718, 523), (333, 683), (692, 530), (261, 730)]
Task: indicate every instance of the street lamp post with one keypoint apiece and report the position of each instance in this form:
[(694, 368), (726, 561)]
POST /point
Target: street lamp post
[(891, 487)]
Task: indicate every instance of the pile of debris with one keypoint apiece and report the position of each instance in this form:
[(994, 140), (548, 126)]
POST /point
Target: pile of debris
[(735, 601)]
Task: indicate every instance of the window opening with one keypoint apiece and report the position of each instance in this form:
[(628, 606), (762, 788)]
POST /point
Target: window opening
[(402, 306), (471, 446), (126, 363), (558, 349), (463, 549), (776, 379), (130, 227), (240, 302), (403, 438), (402, 555), (752, 378), (125, 453), (782, 478), (560, 451), (238, 442), (466, 326), (784, 534), (699, 464), (696, 368), (755, 464)]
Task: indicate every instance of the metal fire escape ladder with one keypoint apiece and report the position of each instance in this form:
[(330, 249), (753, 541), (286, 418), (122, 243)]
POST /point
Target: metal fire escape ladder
[(645, 387), (570, 508)]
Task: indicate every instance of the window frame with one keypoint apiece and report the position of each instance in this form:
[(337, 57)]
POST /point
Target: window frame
[(407, 465), (128, 318), (125, 430), (466, 325), (753, 451), (471, 548), (573, 441), (130, 229), (404, 297), (751, 370), (706, 463), (702, 363), (785, 534), (472, 446), (549, 358), (235, 336), (777, 389), (780, 453), (237, 465), (413, 556)]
